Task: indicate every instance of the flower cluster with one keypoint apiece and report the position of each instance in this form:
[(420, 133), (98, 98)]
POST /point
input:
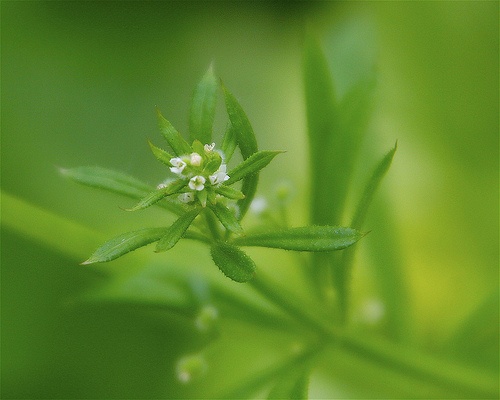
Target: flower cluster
[(203, 170)]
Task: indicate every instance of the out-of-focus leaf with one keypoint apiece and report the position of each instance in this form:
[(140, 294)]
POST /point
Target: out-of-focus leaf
[(202, 113), (229, 142), (161, 155), (308, 238), (344, 265), (233, 262), (174, 138), (323, 131), (247, 143), (157, 195), (227, 218), (116, 182), (476, 340), (176, 231), (124, 244), (371, 187), (229, 192), (335, 129), (251, 165), (292, 385)]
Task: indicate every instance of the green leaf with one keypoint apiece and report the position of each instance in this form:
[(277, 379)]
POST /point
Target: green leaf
[(239, 121), (371, 187), (158, 194), (124, 244), (335, 129), (174, 138), (322, 123), (251, 165), (233, 262), (203, 105), (107, 179), (227, 218), (177, 230), (229, 142), (308, 238), (229, 192), (117, 182), (161, 155), (247, 143)]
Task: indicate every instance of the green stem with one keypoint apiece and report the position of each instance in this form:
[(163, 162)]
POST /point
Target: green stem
[(392, 355)]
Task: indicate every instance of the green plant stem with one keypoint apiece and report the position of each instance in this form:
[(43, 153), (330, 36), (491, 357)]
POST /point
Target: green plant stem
[(256, 382), (392, 355)]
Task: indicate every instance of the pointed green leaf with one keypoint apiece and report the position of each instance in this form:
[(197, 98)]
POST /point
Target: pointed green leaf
[(107, 179), (251, 165), (176, 231), (161, 155), (308, 238), (247, 143), (174, 138), (322, 125), (117, 182), (371, 187), (227, 218), (125, 243), (239, 121), (228, 142), (233, 262), (202, 113), (229, 192), (158, 194)]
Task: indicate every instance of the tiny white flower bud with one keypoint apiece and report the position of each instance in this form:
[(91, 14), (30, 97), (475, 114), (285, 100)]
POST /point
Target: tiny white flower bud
[(195, 159), (197, 183)]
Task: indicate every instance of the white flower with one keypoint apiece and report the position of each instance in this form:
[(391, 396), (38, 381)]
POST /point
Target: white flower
[(209, 147), (197, 183), (219, 176), (195, 159), (186, 197), (178, 165)]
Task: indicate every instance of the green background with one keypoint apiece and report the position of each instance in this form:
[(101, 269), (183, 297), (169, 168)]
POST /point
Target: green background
[(80, 81)]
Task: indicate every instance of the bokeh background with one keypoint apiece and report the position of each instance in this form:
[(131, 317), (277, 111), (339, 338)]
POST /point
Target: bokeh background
[(79, 84)]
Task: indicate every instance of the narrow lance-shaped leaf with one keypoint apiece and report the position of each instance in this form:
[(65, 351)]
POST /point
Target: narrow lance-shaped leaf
[(161, 155), (157, 195), (371, 187), (242, 128), (125, 243), (117, 182), (228, 142), (308, 238), (322, 124), (229, 192), (233, 262), (174, 138), (177, 230), (107, 179), (227, 218), (251, 165), (202, 113), (247, 143)]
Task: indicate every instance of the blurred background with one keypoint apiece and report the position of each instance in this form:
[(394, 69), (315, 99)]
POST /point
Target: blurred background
[(80, 81)]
